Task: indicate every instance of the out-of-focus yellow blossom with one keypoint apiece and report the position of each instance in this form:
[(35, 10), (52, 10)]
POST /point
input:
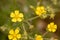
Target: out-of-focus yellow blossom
[(38, 37), (14, 34), (52, 15), (16, 16), (40, 10), (52, 27)]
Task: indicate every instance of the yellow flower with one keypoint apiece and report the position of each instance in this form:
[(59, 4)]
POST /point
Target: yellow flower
[(14, 35), (16, 16), (40, 10), (52, 27), (38, 37)]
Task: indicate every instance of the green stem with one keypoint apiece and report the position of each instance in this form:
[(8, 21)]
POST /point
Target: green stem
[(28, 23), (45, 34), (26, 31), (31, 38), (32, 18), (23, 27)]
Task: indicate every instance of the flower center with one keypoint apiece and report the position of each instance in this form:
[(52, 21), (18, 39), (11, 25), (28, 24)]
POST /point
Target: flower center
[(14, 35), (16, 16), (52, 27)]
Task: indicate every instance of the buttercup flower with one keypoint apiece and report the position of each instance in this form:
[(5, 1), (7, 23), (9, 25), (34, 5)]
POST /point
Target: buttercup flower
[(40, 10), (52, 27), (14, 35), (38, 37), (16, 16)]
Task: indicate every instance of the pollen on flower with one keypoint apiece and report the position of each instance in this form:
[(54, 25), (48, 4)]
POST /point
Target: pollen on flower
[(14, 34), (40, 10), (16, 16), (38, 37), (52, 27)]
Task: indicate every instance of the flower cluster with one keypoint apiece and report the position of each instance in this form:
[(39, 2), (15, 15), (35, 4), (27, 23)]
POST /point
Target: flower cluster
[(16, 16)]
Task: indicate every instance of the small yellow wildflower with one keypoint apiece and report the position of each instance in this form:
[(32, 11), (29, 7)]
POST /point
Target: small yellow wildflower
[(38, 37), (14, 35), (52, 27), (16, 16), (40, 10)]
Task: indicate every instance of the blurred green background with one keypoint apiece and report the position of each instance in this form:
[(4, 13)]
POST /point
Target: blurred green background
[(7, 6)]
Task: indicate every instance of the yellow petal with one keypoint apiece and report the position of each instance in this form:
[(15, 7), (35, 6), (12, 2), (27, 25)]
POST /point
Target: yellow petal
[(21, 15), (52, 23), (55, 26), (38, 13), (10, 36), (12, 15), (18, 36), (49, 30), (38, 8), (39, 37), (16, 12), (53, 30), (42, 7), (11, 31), (14, 20), (43, 11), (14, 39), (48, 25), (16, 31), (19, 19)]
